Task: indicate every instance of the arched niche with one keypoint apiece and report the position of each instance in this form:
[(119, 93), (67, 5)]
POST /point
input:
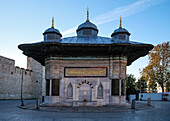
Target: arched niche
[(70, 91), (100, 91)]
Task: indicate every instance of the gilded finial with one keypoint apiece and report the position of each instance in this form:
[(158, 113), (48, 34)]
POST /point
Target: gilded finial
[(87, 14), (53, 22), (120, 22)]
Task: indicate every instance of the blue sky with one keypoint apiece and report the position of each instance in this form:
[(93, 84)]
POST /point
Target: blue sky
[(24, 21)]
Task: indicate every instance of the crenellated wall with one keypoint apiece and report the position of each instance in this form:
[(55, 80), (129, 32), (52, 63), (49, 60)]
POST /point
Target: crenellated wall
[(11, 76)]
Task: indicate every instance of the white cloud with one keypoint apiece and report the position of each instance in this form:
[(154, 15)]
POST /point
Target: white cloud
[(124, 11), (69, 31)]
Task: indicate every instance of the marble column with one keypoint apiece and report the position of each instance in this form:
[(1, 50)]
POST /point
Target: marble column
[(119, 79), (50, 89)]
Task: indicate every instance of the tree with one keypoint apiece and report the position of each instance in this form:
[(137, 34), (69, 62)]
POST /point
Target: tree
[(152, 86), (141, 84), (168, 87), (158, 68), (130, 84)]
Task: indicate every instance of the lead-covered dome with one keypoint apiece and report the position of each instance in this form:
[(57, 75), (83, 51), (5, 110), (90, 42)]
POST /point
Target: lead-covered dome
[(120, 33), (87, 28), (120, 30), (52, 33), (52, 30), (87, 25)]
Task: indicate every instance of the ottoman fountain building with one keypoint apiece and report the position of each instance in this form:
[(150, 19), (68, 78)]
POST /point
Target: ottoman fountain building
[(86, 69)]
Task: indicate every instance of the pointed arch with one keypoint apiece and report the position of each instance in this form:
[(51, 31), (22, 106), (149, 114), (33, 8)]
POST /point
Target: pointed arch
[(70, 90), (100, 91)]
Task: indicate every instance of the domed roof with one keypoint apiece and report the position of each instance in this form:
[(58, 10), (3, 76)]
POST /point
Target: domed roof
[(52, 30), (87, 25), (87, 44), (87, 28), (120, 30)]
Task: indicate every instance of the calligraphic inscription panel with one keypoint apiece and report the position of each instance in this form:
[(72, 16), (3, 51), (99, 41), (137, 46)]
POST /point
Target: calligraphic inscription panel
[(85, 72)]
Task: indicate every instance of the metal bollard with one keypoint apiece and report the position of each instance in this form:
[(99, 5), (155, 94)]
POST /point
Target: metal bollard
[(149, 101), (42, 98), (22, 101), (38, 103), (133, 104)]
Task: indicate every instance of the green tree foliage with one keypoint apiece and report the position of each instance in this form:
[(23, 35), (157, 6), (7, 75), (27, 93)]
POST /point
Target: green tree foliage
[(141, 84), (158, 69), (130, 84)]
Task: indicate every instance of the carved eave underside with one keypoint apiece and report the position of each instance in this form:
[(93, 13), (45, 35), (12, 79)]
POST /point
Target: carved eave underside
[(39, 51)]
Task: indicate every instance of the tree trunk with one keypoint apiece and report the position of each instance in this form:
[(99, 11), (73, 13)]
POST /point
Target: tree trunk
[(162, 86)]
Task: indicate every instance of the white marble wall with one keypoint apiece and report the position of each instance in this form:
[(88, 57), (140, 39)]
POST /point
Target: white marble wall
[(55, 70)]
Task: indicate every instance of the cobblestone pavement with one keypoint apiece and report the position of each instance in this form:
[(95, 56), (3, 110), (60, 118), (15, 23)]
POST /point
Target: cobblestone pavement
[(10, 112)]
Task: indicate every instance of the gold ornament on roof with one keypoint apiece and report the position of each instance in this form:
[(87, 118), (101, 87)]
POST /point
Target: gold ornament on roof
[(120, 22), (87, 14), (53, 22)]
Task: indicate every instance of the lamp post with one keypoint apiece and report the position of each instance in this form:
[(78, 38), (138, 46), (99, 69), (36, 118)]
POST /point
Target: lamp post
[(140, 91), (22, 99)]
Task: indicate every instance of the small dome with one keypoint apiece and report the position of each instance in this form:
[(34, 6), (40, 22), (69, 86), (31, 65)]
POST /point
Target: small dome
[(87, 25), (52, 30), (120, 30), (87, 29)]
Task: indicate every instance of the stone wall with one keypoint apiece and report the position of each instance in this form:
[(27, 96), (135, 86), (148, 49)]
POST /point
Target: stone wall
[(37, 76), (11, 77), (34, 84)]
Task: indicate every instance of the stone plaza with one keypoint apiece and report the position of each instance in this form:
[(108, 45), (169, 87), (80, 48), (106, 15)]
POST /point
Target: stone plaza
[(10, 112)]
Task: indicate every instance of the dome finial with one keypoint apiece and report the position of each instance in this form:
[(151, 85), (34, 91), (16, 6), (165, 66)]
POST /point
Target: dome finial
[(53, 22), (87, 14), (120, 22)]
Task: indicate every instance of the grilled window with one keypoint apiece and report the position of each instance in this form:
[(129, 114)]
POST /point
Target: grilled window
[(55, 87)]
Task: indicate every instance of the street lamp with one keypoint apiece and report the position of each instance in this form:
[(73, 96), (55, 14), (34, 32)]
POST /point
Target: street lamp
[(140, 90), (22, 99)]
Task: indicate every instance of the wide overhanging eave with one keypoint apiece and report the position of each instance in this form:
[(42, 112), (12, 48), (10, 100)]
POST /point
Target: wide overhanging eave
[(40, 50)]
